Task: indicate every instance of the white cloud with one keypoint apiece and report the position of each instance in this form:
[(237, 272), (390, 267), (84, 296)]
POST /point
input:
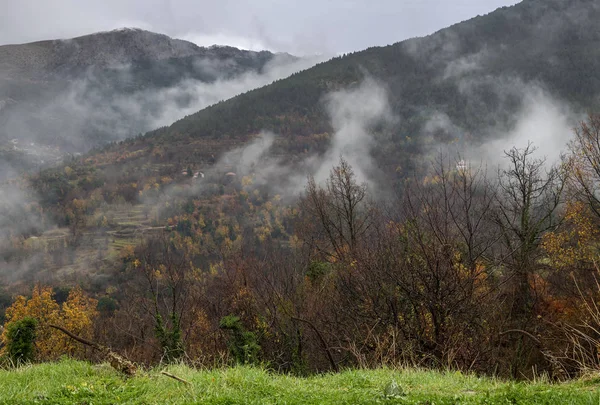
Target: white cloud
[(306, 27), (236, 41), (543, 121)]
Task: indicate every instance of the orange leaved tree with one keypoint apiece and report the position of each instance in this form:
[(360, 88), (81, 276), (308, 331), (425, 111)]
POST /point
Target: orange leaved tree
[(76, 314)]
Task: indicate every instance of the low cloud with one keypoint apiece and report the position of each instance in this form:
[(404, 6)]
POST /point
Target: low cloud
[(356, 114), (543, 121), (240, 42), (19, 220), (465, 65), (88, 113)]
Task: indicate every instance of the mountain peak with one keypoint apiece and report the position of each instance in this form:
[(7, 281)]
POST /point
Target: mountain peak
[(127, 29), (103, 49)]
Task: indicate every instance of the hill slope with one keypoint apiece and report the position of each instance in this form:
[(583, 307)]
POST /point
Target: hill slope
[(70, 95), (526, 71), (477, 75), (56, 57)]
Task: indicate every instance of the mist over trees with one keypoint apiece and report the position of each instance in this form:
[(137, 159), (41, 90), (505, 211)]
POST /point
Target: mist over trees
[(65, 97), (466, 267)]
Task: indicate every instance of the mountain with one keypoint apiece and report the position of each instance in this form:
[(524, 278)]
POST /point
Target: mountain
[(529, 71), (70, 95), (461, 71), (103, 52), (104, 49), (207, 208), (468, 83)]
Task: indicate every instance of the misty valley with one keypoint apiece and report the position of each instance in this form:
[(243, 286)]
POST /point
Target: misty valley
[(430, 204)]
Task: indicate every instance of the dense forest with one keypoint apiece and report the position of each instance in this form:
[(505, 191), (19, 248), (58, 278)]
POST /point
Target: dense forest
[(332, 219)]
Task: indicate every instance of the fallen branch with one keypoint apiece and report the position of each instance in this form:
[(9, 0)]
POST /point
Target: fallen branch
[(175, 377), (117, 361), (524, 332), (77, 338)]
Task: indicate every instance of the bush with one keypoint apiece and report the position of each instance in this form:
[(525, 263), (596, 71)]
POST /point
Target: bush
[(20, 339)]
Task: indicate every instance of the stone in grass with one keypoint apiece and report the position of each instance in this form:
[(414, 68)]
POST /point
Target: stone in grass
[(40, 396), (393, 390)]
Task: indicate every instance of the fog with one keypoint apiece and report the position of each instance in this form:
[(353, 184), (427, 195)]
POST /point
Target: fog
[(299, 28), (522, 111), (89, 112), (544, 122), (353, 112)]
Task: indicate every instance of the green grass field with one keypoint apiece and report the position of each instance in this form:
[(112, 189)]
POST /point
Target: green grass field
[(75, 382)]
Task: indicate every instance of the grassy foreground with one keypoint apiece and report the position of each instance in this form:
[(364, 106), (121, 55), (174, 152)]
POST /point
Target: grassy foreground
[(75, 382)]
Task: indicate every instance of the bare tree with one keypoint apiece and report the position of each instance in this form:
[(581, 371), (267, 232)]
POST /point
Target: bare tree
[(337, 216), (439, 259), (528, 198), (166, 266)]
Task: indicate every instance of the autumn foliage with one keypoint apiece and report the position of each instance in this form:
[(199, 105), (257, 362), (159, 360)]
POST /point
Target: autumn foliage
[(76, 314), (459, 268)]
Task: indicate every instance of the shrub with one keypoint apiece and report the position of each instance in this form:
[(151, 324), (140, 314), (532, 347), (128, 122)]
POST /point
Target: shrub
[(20, 339)]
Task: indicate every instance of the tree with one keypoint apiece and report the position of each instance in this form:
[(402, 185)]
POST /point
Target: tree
[(42, 307), (336, 217), (573, 244), (583, 162), (529, 195), (166, 266), (528, 198), (76, 314), (433, 263), (243, 344)]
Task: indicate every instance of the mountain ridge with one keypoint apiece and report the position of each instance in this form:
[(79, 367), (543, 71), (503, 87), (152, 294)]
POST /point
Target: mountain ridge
[(78, 93), (101, 49), (418, 66)]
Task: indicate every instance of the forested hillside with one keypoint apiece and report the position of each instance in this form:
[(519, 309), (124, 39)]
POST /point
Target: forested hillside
[(467, 83), (66, 96), (476, 73), (384, 207)]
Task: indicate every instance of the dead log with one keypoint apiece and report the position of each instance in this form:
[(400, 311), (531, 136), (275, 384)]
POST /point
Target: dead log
[(116, 361)]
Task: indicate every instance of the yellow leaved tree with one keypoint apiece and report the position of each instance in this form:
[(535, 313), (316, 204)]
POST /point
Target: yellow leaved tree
[(76, 314), (575, 241)]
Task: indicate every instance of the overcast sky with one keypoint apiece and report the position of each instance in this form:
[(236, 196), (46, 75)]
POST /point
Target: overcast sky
[(299, 27)]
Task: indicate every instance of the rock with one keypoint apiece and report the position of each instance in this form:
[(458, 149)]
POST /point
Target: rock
[(393, 390)]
